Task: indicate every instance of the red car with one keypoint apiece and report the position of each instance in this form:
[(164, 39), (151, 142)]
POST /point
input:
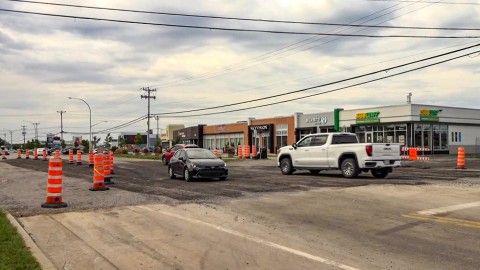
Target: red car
[(169, 152)]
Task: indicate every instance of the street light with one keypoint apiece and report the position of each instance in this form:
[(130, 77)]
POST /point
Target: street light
[(90, 142), (35, 125), (96, 136)]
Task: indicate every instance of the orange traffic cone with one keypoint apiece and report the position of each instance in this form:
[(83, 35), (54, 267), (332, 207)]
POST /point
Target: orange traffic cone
[(54, 184), (91, 160)]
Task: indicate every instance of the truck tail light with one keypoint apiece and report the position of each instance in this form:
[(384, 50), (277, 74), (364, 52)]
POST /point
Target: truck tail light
[(369, 149)]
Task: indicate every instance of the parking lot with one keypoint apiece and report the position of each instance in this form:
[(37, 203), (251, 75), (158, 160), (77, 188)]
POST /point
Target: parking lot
[(423, 215)]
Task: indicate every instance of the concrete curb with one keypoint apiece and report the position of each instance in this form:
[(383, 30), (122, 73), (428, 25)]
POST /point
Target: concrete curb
[(45, 263)]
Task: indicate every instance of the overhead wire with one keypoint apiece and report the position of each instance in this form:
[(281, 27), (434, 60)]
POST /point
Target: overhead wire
[(322, 85), (245, 19), (238, 29), (329, 91)]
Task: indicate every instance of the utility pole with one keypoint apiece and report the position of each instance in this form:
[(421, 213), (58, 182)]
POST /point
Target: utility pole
[(148, 97), (11, 140), (61, 123), (24, 133), (157, 118)]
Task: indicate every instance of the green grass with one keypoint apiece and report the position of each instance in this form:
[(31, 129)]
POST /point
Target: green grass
[(13, 252)]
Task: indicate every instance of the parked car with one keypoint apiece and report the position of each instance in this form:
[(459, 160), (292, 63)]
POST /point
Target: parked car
[(65, 151), (40, 151), (7, 152), (197, 163), (169, 152)]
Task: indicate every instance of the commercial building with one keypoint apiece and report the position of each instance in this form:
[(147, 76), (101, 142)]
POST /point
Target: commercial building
[(441, 129), (189, 135)]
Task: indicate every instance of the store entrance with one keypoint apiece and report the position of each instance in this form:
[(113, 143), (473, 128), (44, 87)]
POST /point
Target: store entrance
[(369, 137)]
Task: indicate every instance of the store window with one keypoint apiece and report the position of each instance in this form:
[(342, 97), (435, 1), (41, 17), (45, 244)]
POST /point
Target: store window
[(281, 131)]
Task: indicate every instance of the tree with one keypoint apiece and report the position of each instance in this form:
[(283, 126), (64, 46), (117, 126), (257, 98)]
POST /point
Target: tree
[(108, 140), (138, 139), (86, 147), (63, 144), (121, 141), (95, 141)]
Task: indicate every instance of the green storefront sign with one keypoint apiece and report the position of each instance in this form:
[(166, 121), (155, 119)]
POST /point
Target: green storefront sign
[(429, 115), (368, 118)]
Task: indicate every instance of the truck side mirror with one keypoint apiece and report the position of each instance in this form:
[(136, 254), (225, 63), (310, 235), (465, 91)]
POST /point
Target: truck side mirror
[(294, 146)]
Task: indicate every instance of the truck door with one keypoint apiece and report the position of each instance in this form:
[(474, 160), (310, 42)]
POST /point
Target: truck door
[(318, 151)]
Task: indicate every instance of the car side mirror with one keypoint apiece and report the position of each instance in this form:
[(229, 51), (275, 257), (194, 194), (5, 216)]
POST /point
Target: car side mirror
[(181, 158)]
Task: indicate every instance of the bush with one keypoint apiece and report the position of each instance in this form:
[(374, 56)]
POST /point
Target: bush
[(114, 148)]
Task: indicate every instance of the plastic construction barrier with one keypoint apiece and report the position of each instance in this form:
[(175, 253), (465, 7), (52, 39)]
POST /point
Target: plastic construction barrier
[(54, 184), (98, 174), (461, 158)]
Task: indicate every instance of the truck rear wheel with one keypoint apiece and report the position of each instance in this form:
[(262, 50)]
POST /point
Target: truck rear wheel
[(286, 166), (349, 168), (379, 173)]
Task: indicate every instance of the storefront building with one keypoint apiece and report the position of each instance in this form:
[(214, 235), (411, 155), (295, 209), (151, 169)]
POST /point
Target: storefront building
[(313, 123), (225, 136), (271, 133), (189, 135), (167, 135), (438, 128)]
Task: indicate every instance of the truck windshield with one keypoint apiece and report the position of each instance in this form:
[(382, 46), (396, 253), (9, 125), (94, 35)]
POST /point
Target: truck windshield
[(340, 139)]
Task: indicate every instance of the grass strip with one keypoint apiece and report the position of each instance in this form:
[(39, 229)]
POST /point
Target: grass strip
[(14, 254)]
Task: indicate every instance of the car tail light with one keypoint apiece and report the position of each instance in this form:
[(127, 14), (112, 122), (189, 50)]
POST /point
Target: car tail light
[(369, 149)]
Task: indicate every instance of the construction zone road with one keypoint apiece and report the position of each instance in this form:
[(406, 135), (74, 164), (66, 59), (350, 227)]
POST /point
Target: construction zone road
[(424, 215)]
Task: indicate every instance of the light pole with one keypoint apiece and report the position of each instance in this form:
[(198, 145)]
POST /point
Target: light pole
[(96, 136), (35, 125), (90, 141)]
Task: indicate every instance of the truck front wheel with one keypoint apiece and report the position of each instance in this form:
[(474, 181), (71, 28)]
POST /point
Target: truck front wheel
[(349, 168), (286, 166), (379, 173)]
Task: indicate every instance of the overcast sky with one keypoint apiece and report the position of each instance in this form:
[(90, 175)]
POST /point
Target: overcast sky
[(45, 59)]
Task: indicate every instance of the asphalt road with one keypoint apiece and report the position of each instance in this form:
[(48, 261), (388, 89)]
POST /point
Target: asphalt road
[(258, 219)]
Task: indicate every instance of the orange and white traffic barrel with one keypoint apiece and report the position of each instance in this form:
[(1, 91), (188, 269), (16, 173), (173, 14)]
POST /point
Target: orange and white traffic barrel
[(44, 154), (91, 161), (254, 150), (57, 153), (19, 154), (79, 157), (35, 154), (215, 151), (98, 173), (246, 151), (111, 161), (4, 154), (70, 156), (461, 158), (54, 184), (27, 154), (106, 169), (240, 151)]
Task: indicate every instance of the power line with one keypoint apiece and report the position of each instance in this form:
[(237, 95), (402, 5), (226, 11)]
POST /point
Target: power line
[(323, 85), (238, 29), (247, 19), (421, 2), (330, 91)]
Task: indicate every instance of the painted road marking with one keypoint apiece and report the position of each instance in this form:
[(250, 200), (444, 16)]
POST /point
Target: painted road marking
[(430, 215), (258, 240), (446, 209)]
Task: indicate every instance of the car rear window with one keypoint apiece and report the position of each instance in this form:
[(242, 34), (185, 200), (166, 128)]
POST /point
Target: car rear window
[(340, 139)]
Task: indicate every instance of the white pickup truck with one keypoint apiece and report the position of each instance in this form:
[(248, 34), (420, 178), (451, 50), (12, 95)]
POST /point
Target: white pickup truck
[(328, 151)]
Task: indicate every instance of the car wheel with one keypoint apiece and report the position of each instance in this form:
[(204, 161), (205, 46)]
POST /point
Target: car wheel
[(223, 178), (187, 175), (170, 172), (379, 173), (314, 171), (349, 168), (164, 160), (286, 166)]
